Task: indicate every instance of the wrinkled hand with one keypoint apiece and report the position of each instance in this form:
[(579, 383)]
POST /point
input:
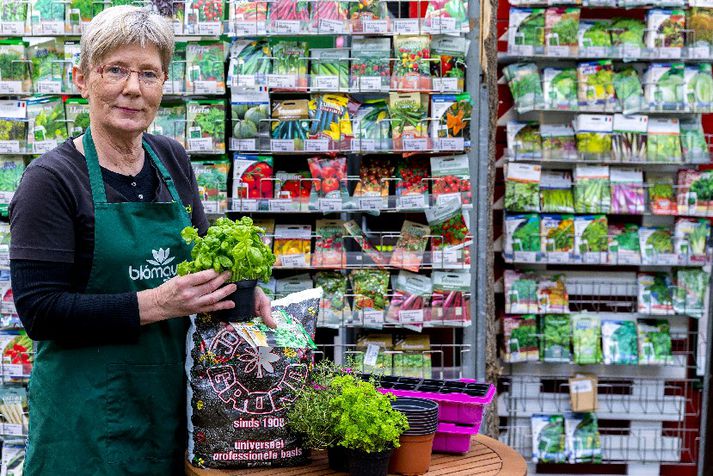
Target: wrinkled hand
[(263, 307), (194, 293)]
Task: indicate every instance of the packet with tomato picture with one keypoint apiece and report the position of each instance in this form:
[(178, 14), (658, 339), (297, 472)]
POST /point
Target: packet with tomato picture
[(412, 70), (204, 17), (370, 287), (450, 128), (365, 11), (292, 189), (448, 70), (408, 253), (450, 236), (329, 191), (354, 230), (293, 246), (17, 355), (412, 183), (451, 179), (409, 304), (329, 245), (451, 296), (371, 67), (372, 190), (253, 183), (446, 16), (212, 179)]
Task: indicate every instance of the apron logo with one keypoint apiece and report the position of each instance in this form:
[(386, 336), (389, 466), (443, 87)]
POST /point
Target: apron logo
[(157, 268)]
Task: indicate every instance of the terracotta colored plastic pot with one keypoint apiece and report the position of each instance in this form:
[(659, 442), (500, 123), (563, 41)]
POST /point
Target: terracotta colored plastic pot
[(413, 457)]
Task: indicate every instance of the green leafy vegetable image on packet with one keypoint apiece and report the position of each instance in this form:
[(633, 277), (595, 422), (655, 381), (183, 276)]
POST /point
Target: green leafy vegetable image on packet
[(586, 339), (555, 340), (619, 342), (520, 334), (583, 440), (655, 293), (654, 342), (525, 86), (548, 439)]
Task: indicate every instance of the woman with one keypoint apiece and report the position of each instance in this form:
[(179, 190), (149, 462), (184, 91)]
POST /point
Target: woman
[(96, 239)]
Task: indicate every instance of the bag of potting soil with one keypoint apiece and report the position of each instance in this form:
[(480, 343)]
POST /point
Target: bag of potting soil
[(242, 380)]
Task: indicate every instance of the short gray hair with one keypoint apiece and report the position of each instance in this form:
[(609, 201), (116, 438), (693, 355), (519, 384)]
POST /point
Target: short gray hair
[(124, 25)]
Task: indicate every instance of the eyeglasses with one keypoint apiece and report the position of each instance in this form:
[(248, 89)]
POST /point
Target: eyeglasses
[(118, 74)]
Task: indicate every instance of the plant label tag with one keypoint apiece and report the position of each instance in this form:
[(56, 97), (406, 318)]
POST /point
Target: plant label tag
[(203, 144), (326, 82), (244, 28), (41, 147), (282, 80), (371, 203), (9, 147), (406, 26), (244, 205), (372, 352), (375, 26), (209, 28), (415, 144), (316, 145), (414, 316), (293, 261), (444, 85), (282, 145), (281, 205), (331, 26), (443, 25), (411, 202), (49, 87), (52, 28), (369, 83), (205, 87), (286, 26), (10, 87), (363, 145), (330, 204), (242, 144), (246, 81), (451, 143)]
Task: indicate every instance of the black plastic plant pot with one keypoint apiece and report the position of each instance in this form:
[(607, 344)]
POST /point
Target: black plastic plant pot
[(410, 380), (369, 464), (428, 388), (455, 384), (404, 386), (389, 378), (338, 458), (386, 385), (244, 299), (429, 381)]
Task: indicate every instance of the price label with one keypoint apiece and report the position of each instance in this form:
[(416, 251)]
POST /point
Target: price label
[(415, 144), (595, 51), (669, 53), (12, 370), (52, 28), (372, 353), (203, 144), (631, 51), (293, 261), (286, 26), (363, 144), (242, 144), (451, 143), (244, 28), (13, 28), (316, 145), (281, 205), (5, 256), (558, 257), (442, 258), (211, 206), (627, 258), (369, 83), (699, 52), (49, 87), (247, 81), (205, 87), (282, 145), (43, 146), (330, 204), (445, 84), (406, 26), (325, 82), (593, 258), (10, 87), (374, 318), (525, 256), (177, 28), (173, 87), (331, 26), (12, 429), (375, 26), (282, 80), (443, 25), (9, 147), (209, 29), (666, 259), (411, 202), (371, 203), (411, 317), (558, 51), (244, 205)]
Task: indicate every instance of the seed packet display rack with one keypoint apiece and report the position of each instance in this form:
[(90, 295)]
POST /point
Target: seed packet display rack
[(648, 413)]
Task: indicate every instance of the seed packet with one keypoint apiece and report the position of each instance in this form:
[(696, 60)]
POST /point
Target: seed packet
[(557, 238), (372, 127), (628, 35), (522, 187), (591, 189), (526, 31), (552, 297), (662, 197), (14, 69), (72, 52), (206, 126), (655, 293), (329, 67), (448, 67), (627, 191), (693, 141), (384, 361), (410, 300), (288, 16), (555, 338), (699, 37), (289, 66), (329, 17), (413, 356), (205, 67), (368, 16), (11, 169), (654, 342), (591, 241), (204, 17), (595, 81), (624, 244), (451, 178), (450, 236), (446, 17), (17, 355), (628, 90), (290, 129), (586, 339), (450, 299), (664, 86), (354, 230), (561, 31), (13, 455), (691, 240), (170, 121), (665, 32), (250, 64), (695, 193), (524, 140), (525, 86), (548, 439), (250, 114), (556, 192), (450, 128), (408, 253), (47, 18), (247, 17), (411, 184), (372, 190), (330, 188), (77, 110), (558, 142), (253, 183), (334, 309), (560, 88), (370, 289), (329, 246), (663, 140), (330, 120), (409, 120), (520, 292), (13, 126), (13, 404), (691, 292), (594, 135), (656, 245), (292, 190), (520, 334), (47, 123), (594, 38), (48, 67), (412, 71), (370, 66), (698, 87), (80, 13), (619, 342), (267, 224), (629, 139), (293, 245), (584, 444), (293, 284), (522, 238), (212, 178)]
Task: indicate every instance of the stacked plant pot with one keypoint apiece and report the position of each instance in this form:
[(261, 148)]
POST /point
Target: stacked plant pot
[(413, 457)]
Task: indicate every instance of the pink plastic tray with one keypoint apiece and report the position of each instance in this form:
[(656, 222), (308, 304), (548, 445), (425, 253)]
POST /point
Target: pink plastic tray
[(454, 439)]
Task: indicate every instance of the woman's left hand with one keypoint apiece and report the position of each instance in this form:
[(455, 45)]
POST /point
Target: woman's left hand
[(263, 307)]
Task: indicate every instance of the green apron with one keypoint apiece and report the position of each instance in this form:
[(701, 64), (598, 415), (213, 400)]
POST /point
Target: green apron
[(117, 409)]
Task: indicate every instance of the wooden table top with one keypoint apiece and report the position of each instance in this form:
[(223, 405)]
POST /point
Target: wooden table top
[(487, 457)]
